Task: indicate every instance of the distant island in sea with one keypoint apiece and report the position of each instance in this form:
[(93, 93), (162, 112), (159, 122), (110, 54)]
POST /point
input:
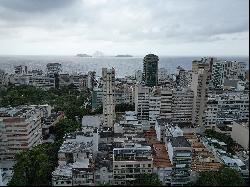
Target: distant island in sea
[(83, 55), (123, 56)]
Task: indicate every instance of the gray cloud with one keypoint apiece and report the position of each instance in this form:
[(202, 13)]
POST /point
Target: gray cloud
[(125, 21), (32, 6)]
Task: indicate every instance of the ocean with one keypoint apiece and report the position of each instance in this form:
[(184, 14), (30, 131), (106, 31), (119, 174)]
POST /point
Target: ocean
[(123, 65)]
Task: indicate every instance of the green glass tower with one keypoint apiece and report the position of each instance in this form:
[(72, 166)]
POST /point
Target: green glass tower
[(150, 70)]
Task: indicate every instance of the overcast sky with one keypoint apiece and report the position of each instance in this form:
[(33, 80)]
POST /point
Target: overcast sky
[(137, 27)]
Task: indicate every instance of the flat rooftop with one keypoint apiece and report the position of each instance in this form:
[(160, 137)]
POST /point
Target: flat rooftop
[(163, 122), (180, 141), (73, 147)]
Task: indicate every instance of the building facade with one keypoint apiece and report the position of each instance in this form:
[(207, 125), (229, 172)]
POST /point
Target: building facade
[(21, 129), (108, 76), (150, 70)]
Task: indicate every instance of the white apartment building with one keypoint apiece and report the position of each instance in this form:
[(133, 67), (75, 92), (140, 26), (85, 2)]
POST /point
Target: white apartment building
[(142, 102), (184, 77), (108, 76), (130, 162), (201, 74), (75, 158), (41, 81), (154, 107), (227, 70), (180, 155), (166, 103), (20, 129), (182, 106), (227, 107)]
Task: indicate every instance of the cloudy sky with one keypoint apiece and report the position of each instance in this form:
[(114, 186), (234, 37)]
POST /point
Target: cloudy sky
[(164, 27)]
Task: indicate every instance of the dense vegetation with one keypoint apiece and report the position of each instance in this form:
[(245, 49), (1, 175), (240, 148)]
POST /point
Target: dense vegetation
[(67, 99), (224, 177), (124, 107), (148, 179), (231, 145)]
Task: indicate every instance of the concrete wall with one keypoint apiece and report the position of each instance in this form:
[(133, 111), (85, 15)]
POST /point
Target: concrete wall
[(240, 133)]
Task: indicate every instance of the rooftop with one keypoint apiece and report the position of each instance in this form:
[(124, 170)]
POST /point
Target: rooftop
[(160, 156), (19, 111), (163, 122), (180, 141), (73, 147)]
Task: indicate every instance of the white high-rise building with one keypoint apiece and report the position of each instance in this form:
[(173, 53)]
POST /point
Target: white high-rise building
[(182, 105), (108, 76), (201, 74), (154, 106), (227, 107), (227, 70), (166, 103), (184, 77), (20, 129), (142, 102)]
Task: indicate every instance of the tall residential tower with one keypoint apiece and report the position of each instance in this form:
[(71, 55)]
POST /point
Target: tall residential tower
[(108, 76), (150, 70)]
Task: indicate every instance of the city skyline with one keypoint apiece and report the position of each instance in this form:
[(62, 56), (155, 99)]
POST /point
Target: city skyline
[(171, 28)]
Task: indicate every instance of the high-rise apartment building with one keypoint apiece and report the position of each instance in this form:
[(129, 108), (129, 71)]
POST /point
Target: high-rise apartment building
[(182, 105), (108, 76), (150, 70), (226, 108), (184, 78), (227, 70), (201, 76), (142, 102), (154, 106), (20, 129), (166, 103)]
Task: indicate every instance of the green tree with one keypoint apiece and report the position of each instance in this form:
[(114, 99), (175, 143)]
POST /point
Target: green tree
[(224, 177), (231, 144), (63, 127), (34, 167), (148, 179), (124, 107)]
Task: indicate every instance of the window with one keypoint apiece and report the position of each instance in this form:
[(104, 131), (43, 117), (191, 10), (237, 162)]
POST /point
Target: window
[(149, 165), (129, 166)]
